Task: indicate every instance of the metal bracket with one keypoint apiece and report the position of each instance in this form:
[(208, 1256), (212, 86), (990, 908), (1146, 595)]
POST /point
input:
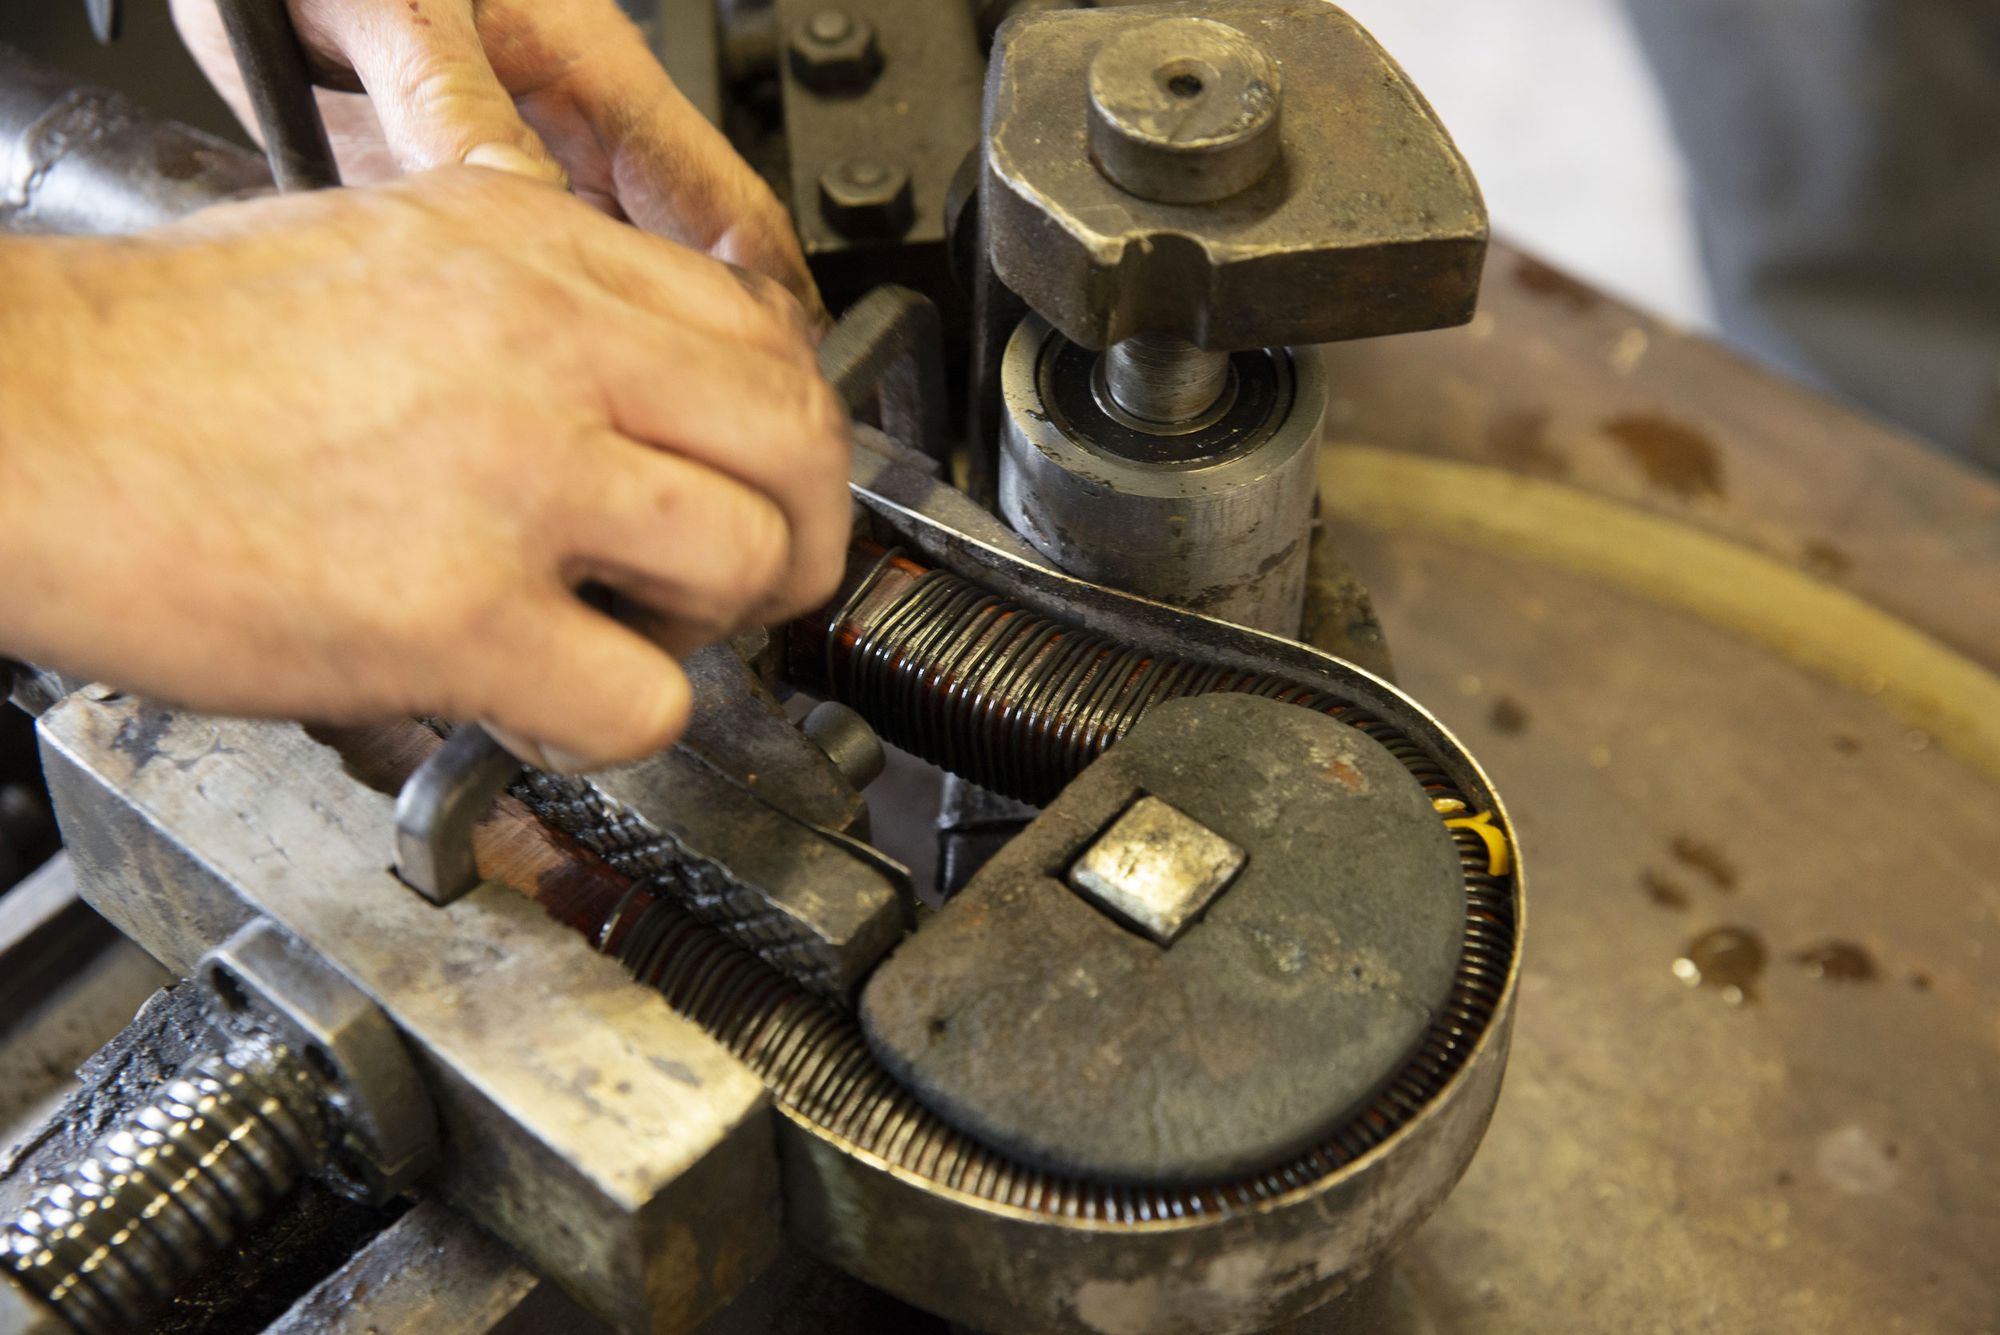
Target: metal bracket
[(439, 805), (889, 347)]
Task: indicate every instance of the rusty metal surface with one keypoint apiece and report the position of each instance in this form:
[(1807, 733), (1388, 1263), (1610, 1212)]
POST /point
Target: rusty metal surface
[(1805, 1138)]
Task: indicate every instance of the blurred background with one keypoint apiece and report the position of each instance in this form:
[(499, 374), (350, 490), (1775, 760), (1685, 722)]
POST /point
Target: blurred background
[(1817, 182)]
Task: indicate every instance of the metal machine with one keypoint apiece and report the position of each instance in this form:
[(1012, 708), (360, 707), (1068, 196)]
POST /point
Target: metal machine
[(1210, 1001)]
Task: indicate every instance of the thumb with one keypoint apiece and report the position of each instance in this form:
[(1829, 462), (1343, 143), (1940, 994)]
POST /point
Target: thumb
[(582, 692), (437, 97)]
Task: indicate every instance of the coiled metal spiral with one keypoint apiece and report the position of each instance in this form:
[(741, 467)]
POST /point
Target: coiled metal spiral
[(1019, 703), (181, 1177), (814, 1060)]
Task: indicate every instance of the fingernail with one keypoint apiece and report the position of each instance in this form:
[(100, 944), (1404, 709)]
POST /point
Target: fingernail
[(504, 157)]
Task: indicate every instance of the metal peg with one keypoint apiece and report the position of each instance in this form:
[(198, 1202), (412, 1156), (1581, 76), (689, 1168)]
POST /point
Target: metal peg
[(438, 807)]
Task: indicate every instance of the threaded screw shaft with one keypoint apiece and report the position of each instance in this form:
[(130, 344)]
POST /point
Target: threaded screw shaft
[(181, 1177)]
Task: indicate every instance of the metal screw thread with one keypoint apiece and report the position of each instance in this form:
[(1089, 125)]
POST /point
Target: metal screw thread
[(181, 1177), (1166, 380)]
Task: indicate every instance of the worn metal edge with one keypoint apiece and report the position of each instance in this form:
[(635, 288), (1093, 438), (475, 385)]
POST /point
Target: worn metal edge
[(665, 1230)]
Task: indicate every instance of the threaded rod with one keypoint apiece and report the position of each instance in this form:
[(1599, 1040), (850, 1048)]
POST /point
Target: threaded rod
[(183, 1175)]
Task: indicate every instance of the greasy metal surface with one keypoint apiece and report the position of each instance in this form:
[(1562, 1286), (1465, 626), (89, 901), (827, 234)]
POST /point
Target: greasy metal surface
[(739, 728), (1339, 614), (1821, 1157), (1370, 223), (184, 1172), (1155, 868), (68, 982), (873, 1179), (433, 1272), (1028, 1017), (847, 740), (887, 349), (604, 1137), (1161, 381)]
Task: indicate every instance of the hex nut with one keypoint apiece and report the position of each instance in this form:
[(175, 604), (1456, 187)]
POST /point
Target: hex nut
[(266, 982), (835, 52), (865, 197)]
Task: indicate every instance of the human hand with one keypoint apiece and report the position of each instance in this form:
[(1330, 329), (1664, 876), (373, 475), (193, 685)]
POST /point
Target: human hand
[(541, 87), (346, 455)]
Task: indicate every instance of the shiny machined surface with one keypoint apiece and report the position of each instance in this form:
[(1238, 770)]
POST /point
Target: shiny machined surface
[(1162, 381), (75, 159), (1155, 868), (1225, 533)]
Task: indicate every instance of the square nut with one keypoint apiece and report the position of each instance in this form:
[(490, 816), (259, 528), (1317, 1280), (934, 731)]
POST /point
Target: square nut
[(1156, 869)]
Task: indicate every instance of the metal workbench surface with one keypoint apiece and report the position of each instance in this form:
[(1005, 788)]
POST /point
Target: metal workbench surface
[(1730, 651)]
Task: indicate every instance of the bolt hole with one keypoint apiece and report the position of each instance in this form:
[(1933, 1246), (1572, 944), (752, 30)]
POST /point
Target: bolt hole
[(321, 1064), (227, 990), (1185, 85)]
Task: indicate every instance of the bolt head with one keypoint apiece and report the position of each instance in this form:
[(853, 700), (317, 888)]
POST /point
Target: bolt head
[(867, 198), (834, 52), (1184, 110)]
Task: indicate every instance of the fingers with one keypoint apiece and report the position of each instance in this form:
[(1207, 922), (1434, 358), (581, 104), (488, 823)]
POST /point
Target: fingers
[(685, 286), (434, 90), (771, 425), (675, 174), (681, 538), (575, 690)]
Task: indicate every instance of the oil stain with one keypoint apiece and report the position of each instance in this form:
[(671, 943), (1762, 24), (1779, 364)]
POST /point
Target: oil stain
[(1728, 959), (1546, 281), (1706, 859), (1509, 716), (1837, 962), (1847, 744), (1674, 456), (1662, 891), (1520, 440), (1826, 560)]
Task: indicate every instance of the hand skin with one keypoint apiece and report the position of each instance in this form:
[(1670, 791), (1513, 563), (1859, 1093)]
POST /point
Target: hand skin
[(545, 87), (344, 456)]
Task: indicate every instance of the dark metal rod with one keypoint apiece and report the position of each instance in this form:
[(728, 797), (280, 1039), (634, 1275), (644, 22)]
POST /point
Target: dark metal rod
[(280, 86)]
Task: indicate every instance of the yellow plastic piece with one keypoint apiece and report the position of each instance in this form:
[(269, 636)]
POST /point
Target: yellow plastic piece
[(1499, 858)]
